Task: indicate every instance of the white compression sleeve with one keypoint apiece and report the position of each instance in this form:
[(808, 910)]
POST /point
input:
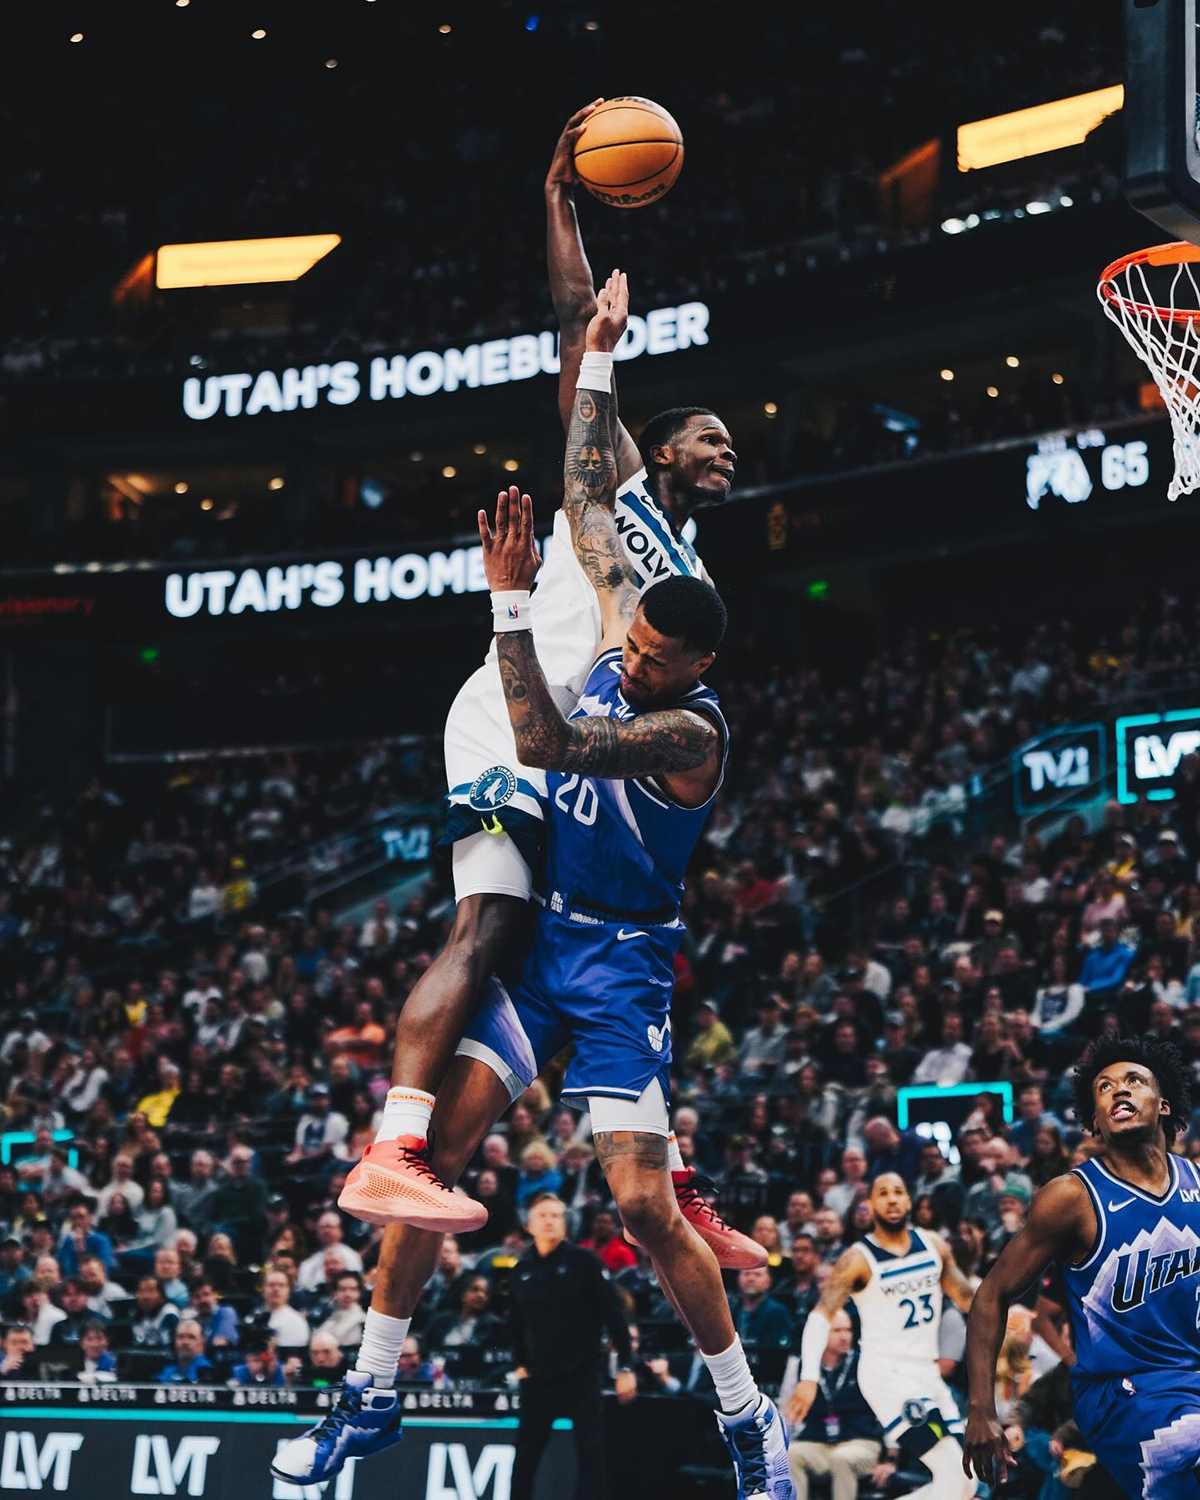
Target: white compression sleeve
[(812, 1344)]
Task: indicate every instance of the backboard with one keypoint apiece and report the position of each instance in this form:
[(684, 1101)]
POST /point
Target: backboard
[(1162, 161)]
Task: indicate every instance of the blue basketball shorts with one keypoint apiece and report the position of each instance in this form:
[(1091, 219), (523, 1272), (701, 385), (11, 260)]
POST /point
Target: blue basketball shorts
[(1145, 1430), (606, 987)]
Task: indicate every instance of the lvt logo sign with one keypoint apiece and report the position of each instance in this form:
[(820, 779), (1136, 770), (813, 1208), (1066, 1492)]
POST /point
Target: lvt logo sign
[(1150, 750), (160, 1469), (27, 1465)]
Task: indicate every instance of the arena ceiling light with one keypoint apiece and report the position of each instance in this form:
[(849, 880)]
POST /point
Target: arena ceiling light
[(1029, 132), (237, 262)]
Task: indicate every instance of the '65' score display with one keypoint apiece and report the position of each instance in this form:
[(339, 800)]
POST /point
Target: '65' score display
[(1068, 467)]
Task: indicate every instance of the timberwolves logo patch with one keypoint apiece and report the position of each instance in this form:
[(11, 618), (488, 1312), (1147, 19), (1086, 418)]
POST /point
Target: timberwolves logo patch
[(915, 1412), (492, 789)]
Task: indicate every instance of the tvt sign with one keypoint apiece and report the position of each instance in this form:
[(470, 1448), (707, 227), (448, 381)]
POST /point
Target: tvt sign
[(1150, 750), (1059, 769)]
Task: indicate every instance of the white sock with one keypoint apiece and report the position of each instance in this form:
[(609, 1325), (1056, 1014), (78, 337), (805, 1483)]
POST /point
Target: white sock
[(736, 1388), (406, 1111), (379, 1352), (944, 1462), (674, 1157)]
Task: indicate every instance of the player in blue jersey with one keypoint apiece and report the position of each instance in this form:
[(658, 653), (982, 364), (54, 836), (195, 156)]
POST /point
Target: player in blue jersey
[(631, 778), (1125, 1230)]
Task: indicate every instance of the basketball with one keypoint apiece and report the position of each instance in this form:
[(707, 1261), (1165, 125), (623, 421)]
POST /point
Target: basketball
[(630, 152)]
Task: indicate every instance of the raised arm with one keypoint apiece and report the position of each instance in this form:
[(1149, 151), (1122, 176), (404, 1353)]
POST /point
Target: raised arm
[(954, 1283), (1060, 1226), (590, 473), (571, 285), (850, 1275), (681, 747)]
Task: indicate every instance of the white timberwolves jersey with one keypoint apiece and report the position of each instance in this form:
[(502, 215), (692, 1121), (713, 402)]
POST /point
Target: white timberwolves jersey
[(900, 1307), (565, 611)]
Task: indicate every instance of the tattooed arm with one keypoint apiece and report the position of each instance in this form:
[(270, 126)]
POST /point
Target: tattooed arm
[(680, 747), (590, 475)]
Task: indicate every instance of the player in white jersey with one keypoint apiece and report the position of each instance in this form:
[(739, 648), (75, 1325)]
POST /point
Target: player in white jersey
[(495, 818), (897, 1277)]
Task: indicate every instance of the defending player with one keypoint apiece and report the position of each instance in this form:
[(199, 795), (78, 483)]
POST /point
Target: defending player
[(1125, 1229), (631, 777), (497, 802), (897, 1276)]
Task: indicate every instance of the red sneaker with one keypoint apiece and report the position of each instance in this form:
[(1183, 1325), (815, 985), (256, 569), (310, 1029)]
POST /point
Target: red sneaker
[(394, 1184), (734, 1250)]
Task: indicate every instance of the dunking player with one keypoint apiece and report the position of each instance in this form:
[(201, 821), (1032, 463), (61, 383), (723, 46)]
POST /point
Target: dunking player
[(631, 778), (897, 1276), (1125, 1230), (497, 802)]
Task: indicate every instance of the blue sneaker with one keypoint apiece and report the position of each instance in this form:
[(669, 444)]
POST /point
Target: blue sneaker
[(363, 1422), (759, 1447)]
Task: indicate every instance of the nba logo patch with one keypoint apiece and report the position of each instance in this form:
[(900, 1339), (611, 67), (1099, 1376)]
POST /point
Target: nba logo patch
[(492, 789)]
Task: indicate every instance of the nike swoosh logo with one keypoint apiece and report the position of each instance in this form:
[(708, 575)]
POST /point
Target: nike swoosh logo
[(1112, 1207), (623, 936)]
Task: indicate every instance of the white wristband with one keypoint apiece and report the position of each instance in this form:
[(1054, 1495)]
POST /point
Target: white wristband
[(510, 611), (812, 1344), (595, 371)]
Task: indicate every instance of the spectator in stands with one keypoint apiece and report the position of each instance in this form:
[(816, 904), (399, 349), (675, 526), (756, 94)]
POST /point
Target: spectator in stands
[(840, 1437), (239, 1204), (939, 1181), (261, 1363), (218, 1322), (99, 1364), (104, 1296), (608, 1243), (37, 1312), (413, 1367), (318, 1130), (344, 1317), (761, 1321), (290, 1327), (713, 1043), (744, 1186), (1105, 967), (946, 1065), (193, 1197), (12, 1269), (539, 1173), (77, 1315), (17, 1358), (167, 1269), (122, 1182), (828, 1232), (763, 1047), (190, 1365), (312, 1273), (473, 1325), (154, 1317), (853, 1185), (323, 1367), (81, 1239)]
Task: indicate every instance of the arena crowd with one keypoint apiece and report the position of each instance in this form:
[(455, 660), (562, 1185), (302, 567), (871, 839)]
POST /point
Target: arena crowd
[(187, 1074)]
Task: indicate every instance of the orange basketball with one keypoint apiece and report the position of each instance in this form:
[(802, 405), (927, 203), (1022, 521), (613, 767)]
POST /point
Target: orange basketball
[(630, 152)]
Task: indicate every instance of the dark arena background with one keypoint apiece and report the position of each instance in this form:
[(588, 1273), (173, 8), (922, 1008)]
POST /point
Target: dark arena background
[(241, 583)]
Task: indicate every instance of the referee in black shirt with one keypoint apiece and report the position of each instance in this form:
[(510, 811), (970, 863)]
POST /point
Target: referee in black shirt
[(561, 1303)]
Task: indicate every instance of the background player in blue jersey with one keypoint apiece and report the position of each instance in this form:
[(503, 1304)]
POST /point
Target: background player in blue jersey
[(631, 777), (1125, 1230)]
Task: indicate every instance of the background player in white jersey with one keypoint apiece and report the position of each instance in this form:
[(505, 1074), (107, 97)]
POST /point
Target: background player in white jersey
[(897, 1276), (495, 819)]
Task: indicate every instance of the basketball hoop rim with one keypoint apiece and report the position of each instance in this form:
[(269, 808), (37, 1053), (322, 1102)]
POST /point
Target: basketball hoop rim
[(1177, 252)]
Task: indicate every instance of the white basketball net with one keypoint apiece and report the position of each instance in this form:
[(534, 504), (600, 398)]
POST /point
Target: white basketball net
[(1163, 328)]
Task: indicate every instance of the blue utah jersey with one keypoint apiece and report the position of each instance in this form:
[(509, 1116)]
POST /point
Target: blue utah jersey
[(1134, 1310), (1134, 1300), (622, 846)]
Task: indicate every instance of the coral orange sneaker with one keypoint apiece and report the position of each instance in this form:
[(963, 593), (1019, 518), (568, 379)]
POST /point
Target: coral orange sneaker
[(394, 1184), (734, 1250)]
